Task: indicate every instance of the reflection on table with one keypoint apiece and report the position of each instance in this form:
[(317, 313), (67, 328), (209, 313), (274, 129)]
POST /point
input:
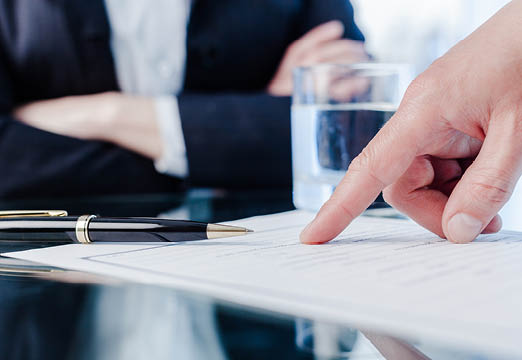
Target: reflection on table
[(49, 313)]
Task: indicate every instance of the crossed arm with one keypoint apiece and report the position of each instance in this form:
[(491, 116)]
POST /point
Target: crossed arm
[(128, 120)]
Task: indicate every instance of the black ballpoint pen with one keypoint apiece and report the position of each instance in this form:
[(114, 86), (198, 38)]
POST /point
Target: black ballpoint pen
[(57, 226)]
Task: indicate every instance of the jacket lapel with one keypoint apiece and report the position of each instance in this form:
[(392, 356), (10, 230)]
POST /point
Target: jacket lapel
[(90, 30)]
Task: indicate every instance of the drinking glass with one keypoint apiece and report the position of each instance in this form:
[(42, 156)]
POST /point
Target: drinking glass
[(336, 111)]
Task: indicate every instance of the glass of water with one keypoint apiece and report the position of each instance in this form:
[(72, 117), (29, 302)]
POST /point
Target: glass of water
[(336, 111)]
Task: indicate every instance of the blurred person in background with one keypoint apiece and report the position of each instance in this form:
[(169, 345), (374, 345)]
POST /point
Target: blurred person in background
[(118, 96)]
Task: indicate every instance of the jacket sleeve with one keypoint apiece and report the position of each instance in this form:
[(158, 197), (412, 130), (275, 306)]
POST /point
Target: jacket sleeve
[(320, 11), (35, 163), (241, 139), (237, 140)]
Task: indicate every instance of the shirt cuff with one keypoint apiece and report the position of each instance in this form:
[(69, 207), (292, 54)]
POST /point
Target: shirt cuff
[(173, 160)]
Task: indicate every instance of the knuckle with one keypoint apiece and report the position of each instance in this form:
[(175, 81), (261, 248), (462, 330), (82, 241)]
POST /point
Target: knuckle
[(392, 129), (410, 185), (361, 162), (337, 203), (397, 197), (420, 86), (432, 82), (390, 195), (347, 212), (364, 163), (491, 189), (489, 193)]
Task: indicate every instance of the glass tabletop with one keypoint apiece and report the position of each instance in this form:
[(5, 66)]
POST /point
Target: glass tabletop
[(50, 313)]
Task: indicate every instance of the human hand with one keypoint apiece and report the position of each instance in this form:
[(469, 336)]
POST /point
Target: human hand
[(125, 120), (452, 154), (322, 44), (82, 117)]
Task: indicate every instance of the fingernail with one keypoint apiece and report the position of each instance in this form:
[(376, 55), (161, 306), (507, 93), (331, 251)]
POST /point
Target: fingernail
[(463, 228)]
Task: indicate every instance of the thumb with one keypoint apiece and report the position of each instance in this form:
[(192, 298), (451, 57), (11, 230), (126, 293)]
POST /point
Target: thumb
[(487, 184)]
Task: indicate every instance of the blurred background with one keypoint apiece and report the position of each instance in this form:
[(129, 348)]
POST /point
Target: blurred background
[(418, 32)]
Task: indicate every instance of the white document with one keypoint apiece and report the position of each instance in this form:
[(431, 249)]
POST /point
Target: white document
[(380, 274)]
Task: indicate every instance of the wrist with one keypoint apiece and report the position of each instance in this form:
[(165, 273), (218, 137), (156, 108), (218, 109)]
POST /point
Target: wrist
[(127, 121), (109, 115)]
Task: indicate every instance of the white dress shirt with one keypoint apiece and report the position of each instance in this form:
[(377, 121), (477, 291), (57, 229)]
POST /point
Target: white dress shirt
[(149, 50)]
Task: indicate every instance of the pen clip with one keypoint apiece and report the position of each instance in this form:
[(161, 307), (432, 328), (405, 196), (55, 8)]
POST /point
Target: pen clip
[(31, 213)]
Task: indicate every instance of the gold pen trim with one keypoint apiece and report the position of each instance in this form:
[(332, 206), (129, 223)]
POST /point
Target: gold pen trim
[(82, 229), (217, 231), (31, 213)]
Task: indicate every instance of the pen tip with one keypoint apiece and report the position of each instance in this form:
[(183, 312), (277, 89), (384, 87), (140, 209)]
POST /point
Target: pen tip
[(216, 231)]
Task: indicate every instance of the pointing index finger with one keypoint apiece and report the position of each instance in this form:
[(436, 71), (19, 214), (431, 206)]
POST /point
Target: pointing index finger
[(383, 161)]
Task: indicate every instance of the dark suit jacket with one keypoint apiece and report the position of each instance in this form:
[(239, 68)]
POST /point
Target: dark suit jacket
[(236, 135)]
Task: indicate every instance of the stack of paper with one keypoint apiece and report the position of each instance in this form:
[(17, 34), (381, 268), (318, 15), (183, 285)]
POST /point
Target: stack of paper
[(389, 275)]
